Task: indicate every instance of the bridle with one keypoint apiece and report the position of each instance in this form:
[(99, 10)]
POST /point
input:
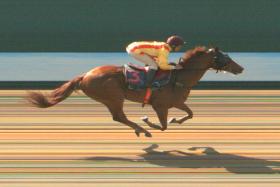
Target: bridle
[(219, 62)]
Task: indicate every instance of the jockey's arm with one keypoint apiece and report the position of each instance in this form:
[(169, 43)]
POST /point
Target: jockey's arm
[(163, 60)]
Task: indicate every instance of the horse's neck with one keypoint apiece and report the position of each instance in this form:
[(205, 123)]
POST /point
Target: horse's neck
[(194, 72), (190, 77)]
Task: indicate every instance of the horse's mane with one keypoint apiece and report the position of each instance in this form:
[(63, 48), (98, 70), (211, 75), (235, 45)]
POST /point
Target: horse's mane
[(195, 52)]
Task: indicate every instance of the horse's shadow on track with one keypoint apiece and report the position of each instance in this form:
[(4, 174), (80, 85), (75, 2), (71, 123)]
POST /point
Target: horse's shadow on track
[(209, 158)]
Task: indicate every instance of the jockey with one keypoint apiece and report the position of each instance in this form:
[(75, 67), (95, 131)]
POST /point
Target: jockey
[(155, 55)]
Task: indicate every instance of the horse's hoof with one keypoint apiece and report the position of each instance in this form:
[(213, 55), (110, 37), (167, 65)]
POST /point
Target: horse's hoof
[(147, 134), (145, 118), (137, 133), (172, 120)]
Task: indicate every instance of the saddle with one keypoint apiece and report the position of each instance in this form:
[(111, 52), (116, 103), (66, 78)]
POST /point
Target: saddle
[(136, 77)]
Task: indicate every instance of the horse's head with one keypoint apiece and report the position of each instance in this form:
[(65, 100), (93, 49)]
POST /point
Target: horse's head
[(213, 58), (222, 62)]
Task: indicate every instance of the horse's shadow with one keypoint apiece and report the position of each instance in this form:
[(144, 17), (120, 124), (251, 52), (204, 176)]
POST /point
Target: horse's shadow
[(209, 158)]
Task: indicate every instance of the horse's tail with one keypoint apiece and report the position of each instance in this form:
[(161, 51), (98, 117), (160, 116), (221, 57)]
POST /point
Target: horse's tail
[(44, 101)]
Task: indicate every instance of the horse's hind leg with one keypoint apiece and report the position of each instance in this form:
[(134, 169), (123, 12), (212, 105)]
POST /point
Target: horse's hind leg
[(118, 115)]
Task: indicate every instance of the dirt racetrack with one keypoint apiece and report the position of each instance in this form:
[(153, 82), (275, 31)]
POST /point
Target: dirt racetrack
[(233, 140)]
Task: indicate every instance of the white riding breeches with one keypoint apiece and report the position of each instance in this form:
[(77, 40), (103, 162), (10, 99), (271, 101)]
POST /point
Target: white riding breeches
[(146, 59)]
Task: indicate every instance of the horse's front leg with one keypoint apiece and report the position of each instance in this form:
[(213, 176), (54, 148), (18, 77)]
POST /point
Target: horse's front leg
[(181, 120), (162, 113)]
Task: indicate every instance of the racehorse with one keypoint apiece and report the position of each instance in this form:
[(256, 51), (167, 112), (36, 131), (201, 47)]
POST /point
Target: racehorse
[(107, 85)]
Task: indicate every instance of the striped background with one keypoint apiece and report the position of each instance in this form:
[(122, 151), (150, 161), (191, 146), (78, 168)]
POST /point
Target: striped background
[(233, 140)]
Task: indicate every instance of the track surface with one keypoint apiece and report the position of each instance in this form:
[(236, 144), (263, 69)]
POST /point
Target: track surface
[(233, 140)]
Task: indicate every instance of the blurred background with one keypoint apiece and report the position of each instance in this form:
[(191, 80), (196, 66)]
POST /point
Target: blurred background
[(57, 39)]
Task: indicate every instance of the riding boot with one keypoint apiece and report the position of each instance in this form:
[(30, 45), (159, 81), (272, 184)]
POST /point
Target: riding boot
[(149, 81)]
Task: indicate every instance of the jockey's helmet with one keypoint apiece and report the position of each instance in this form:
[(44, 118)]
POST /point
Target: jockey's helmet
[(175, 41)]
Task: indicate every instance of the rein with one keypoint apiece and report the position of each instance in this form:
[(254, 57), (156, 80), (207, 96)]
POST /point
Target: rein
[(179, 84)]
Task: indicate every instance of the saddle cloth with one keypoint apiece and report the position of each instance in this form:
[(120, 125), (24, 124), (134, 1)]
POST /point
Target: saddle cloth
[(136, 77)]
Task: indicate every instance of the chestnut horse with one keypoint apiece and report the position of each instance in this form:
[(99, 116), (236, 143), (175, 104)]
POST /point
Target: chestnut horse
[(107, 85)]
